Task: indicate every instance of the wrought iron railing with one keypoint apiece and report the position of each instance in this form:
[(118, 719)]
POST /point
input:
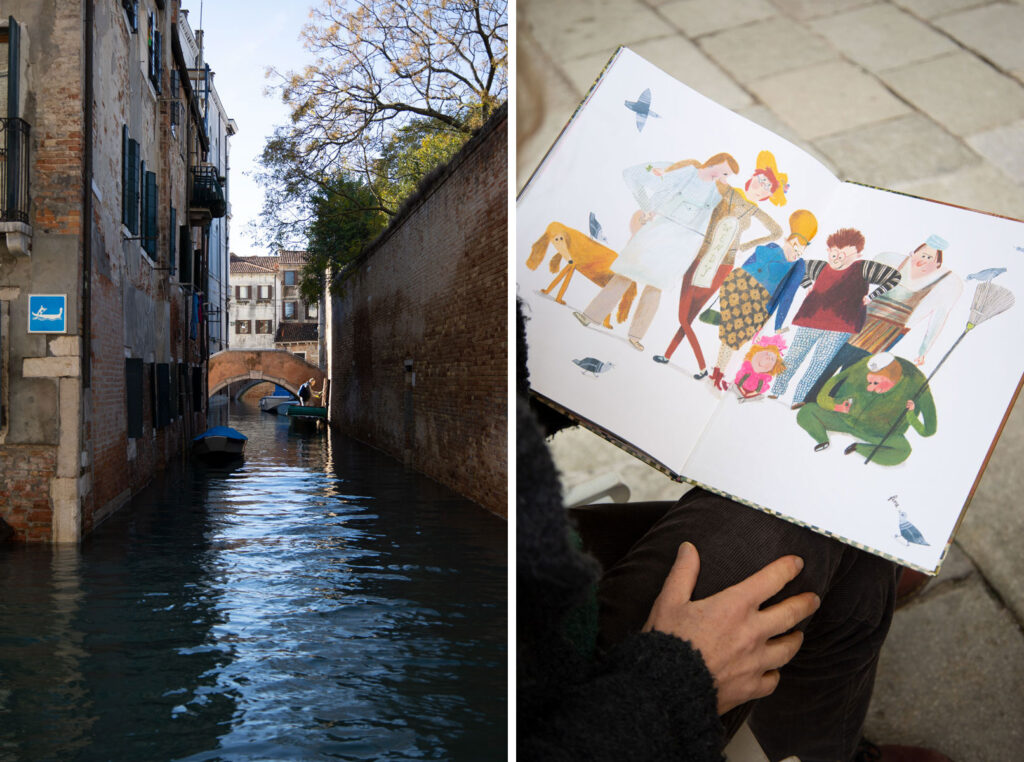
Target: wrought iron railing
[(14, 166), (207, 191)]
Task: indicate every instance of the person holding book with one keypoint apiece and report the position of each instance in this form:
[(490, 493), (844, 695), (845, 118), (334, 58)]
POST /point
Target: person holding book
[(834, 309), (731, 219), (876, 400), (676, 204), (926, 291), (763, 286)]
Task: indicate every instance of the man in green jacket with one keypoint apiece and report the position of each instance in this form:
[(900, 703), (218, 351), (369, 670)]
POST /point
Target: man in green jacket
[(876, 400)]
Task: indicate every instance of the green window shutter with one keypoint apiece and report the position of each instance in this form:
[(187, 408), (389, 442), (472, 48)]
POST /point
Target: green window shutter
[(172, 254), (125, 174), (149, 215), (133, 187), (185, 255), (13, 71)]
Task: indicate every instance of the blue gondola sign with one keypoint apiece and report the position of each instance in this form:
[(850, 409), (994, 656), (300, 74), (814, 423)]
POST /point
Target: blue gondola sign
[(47, 313)]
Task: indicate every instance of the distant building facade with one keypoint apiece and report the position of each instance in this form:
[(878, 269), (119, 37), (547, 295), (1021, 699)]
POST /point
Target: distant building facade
[(266, 296), (298, 330), (253, 312), (106, 208)]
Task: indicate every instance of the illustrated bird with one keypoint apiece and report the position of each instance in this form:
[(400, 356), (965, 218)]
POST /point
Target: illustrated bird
[(593, 366), (642, 108), (987, 274), (595, 229), (909, 534)]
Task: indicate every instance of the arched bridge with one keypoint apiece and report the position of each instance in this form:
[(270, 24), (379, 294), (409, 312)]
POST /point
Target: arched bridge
[(277, 366)]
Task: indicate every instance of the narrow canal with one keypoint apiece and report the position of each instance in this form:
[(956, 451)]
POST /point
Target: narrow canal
[(319, 601)]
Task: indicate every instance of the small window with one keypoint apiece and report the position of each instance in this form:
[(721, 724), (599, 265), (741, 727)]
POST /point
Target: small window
[(155, 52), (243, 293), (310, 311), (131, 9), (301, 355), (265, 293), (264, 326), (243, 326), (289, 277), (149, 223), (129, 182), (289, 310)]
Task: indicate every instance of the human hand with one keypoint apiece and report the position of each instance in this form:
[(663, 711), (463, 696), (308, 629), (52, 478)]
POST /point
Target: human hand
[(910, 405), (657, 172), (842, 407), (919, 360), (865, 300), (736, 640)]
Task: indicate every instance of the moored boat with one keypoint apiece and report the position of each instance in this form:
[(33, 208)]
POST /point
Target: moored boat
[(220, 443), (271, 403)]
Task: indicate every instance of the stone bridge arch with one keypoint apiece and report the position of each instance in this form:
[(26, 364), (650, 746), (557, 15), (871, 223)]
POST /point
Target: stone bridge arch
[(277, 366)]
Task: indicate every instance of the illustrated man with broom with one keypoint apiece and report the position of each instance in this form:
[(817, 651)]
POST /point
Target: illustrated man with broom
[(865, 400)]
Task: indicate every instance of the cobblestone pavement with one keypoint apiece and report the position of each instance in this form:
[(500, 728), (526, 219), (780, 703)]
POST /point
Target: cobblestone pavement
[(921, 96)]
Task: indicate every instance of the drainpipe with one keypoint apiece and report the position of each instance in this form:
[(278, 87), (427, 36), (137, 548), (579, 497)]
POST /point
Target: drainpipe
[(87, 211)]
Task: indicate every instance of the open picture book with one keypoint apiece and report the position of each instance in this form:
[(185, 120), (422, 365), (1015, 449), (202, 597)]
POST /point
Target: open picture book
[(712, 299)]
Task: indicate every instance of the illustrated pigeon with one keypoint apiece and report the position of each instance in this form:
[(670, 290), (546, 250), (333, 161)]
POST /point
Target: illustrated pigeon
[(595, 229), (987, 274), (909, 534), (642, 108), (593, 366)]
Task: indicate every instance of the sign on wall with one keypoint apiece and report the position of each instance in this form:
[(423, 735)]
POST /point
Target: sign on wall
[(47, 313)]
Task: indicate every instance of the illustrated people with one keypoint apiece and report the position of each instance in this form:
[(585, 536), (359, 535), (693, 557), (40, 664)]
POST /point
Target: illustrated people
[(730, 220), (763, 286), (676, 206), (762, 363), (834, 308), (876, 399), (926, 291)]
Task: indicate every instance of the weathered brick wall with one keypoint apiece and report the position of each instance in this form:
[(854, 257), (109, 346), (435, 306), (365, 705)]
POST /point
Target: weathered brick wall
[(433, 291), (25, 488)]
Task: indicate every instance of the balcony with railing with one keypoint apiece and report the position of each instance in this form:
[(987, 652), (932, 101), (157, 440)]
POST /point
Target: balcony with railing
[(14, 173), (208, 200)]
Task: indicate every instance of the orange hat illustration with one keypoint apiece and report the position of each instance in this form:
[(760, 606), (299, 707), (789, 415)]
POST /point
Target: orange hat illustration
[(803, 225)]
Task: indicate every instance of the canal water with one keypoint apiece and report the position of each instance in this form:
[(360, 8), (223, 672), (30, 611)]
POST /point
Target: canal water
[(319, 601)]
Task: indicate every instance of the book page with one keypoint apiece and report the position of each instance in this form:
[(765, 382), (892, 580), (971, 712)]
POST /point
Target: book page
[(622, 241), (949, 331)]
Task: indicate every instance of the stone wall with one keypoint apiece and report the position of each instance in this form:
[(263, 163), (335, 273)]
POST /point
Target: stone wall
[(25, 488), (419, 351)]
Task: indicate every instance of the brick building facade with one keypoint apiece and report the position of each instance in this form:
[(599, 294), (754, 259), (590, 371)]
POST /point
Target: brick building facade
[(418, 354), (106, 205)]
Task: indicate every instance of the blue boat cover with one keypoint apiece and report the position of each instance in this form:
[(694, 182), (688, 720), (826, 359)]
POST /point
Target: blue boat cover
[(222, 431)]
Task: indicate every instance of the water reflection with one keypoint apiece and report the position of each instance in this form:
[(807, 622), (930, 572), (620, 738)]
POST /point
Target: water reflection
[(300, 606)]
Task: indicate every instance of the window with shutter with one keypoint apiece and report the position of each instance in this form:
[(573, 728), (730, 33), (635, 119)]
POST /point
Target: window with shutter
[(163, 395), (185, 254), (133, 389), (131, 188), (172, 240), (149, 226)]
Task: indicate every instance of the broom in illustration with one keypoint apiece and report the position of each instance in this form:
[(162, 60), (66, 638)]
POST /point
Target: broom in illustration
[(989, 301)]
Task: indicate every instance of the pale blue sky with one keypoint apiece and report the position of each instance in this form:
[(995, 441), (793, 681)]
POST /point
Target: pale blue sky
[(243, 38)]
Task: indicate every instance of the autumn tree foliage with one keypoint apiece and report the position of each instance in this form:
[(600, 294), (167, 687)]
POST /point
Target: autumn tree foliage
[(396, 88)]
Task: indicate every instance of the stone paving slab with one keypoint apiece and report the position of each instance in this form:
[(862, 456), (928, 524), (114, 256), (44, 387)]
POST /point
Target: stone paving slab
[(678, 57), (994, 31), (882, 37), (808, 9), (972, 96), (574, 30), (981, 187), (768, 119), (741, 51), (929, 9), (995, 518), (950, 677), (910, 147), (1002, 148), (815, 100), (699, 17)]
